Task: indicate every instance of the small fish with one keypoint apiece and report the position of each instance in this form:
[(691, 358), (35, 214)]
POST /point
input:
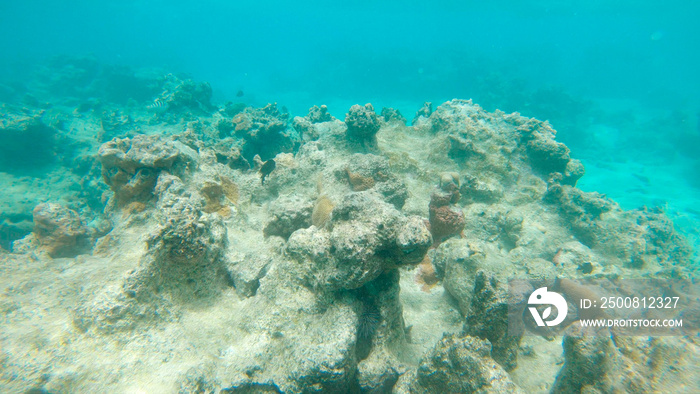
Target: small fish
[(266, 169), (239, 94), (158, 106)]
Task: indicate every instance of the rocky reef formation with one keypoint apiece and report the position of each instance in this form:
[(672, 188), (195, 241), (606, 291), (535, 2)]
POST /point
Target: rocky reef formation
[(363, 124), (423, 113), (131, 166), (460, 365), (304, 125), (392, 115), (367, 237), (263, 131), (184, 263), (340, 272), (59, 230)]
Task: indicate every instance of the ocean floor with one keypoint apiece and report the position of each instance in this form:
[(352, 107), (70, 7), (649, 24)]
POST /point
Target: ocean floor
[(153, 241)]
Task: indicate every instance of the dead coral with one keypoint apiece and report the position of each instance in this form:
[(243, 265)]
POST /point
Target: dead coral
[(131, 166), (231, 156), (449, 181), (363, 125), (114, 124), (264, 131), (392, 115), (186, 96), (319, 114), (424, 112)]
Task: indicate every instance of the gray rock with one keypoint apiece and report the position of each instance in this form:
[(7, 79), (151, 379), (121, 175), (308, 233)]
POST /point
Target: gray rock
[(59, 230), (489, 319), (461, 365), (288, 214)]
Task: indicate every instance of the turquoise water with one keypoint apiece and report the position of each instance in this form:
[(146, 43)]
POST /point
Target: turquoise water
[(624, 72), (618, 81)]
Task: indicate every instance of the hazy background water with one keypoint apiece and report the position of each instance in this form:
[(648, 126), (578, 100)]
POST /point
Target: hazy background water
[(618, 79), (393, 51)]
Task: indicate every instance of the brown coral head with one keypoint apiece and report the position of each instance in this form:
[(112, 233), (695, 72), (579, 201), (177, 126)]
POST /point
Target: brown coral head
[(445, 222), (358, 182), (322, 212)]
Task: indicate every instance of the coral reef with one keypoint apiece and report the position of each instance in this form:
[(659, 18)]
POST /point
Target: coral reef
[(180, 270)]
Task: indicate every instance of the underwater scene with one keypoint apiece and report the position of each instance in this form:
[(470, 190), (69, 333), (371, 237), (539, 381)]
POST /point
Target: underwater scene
[(349, 197)]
